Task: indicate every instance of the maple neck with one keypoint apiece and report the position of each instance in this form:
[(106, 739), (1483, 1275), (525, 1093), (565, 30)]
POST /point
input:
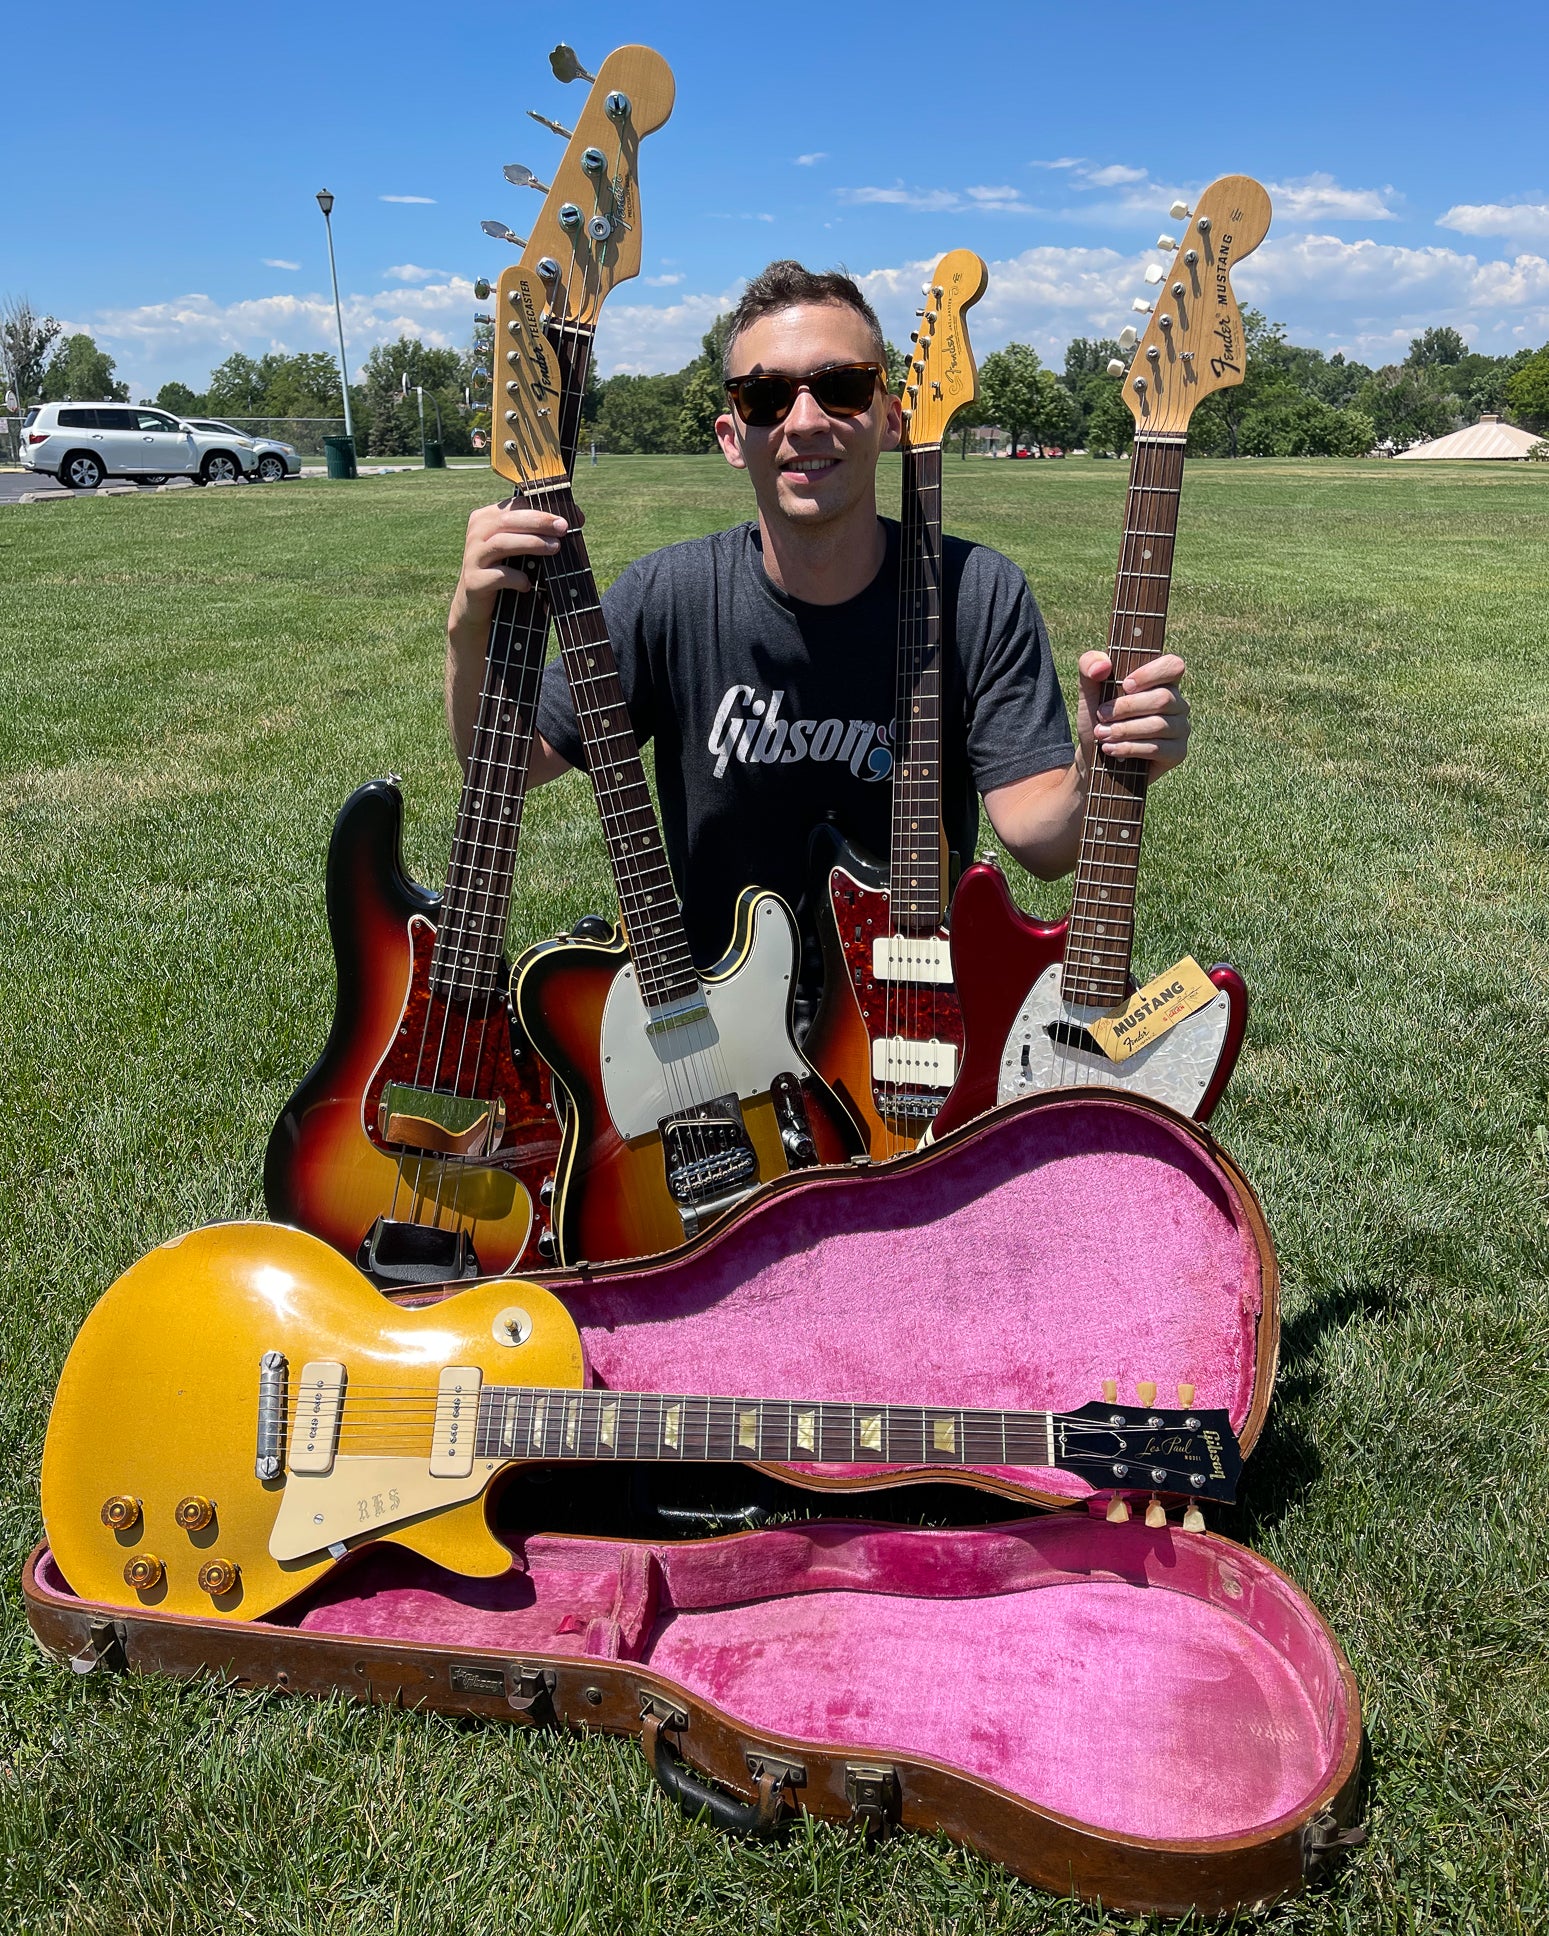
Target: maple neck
[(469, 948), (527, 1423), (648, 898), (916, 855), (1102, 913)]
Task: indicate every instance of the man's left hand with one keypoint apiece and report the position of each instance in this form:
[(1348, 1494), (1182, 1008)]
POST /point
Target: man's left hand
[(1148, 718)]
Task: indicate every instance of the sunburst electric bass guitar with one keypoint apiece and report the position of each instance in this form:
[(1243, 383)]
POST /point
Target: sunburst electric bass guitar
[(888, 1032), (1030, 991), (681, 1092), (423, 1140), (282, 1414)]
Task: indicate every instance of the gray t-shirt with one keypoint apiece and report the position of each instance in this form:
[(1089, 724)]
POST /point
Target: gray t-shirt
[(771, 715)]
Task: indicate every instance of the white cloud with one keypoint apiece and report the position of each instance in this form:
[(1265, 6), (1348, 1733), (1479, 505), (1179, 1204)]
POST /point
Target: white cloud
[(661, 282), (1065, 161), (1319, 198), (1003, 194), (1115, 175), (927, 199), (427, 201), (1042, 296), (639, 338), (1524, 219), (412, 272), (810, 161), (279, 262)]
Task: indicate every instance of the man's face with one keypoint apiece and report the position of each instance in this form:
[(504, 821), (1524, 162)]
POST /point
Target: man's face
[(812, 469)]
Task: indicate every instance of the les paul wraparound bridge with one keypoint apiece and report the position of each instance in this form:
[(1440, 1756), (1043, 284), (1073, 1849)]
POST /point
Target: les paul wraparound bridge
[(424, 1138), (284, 1414), (1031, 991)]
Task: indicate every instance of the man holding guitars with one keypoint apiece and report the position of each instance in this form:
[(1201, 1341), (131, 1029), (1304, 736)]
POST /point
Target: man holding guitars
[(763, 659)]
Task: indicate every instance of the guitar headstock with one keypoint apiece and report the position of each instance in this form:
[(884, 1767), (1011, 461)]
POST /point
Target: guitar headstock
[(1193, 344), (1140, 1448), (586, 238), (530, 449), (942, 375)]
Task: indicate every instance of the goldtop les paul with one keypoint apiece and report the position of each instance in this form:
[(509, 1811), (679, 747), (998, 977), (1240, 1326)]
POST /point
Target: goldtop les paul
[(242, 1410), (1031, 992), (423, 1141)]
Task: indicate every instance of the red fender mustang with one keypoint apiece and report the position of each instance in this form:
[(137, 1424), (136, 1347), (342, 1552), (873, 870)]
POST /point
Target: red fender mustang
[(682, 1092), (1029, 989), (423, 1138), (889, 1030)]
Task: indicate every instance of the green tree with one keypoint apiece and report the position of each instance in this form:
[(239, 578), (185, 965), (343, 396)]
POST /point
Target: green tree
[(25, 341), (1405, 407), (236, 388), (79, 369), (1268, 372), (1292, 425), (179, 399), (388, 418), (1110, 429), (1527, 391), (1436, 347), (1013, 396), (704, 392), (641, 413), (897, 362)]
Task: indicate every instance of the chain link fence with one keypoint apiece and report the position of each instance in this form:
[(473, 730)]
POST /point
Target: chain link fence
[(306, 433)]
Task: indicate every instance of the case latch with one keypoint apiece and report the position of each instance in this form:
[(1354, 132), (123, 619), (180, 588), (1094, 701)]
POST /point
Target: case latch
[(872, 1793), (1324, 1841), (107, 1645), (667, 1712), (530, 1690)]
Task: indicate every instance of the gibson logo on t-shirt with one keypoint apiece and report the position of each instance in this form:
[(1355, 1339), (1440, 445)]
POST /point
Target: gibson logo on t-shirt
[(752, 730)]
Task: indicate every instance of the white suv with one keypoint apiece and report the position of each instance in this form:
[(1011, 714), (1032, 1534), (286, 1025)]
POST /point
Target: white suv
[(82, 443)]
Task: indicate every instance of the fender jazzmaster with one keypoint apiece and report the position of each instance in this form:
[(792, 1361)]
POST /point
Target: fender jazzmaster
[(888, 1031), (422, 1141), (1029, 989)]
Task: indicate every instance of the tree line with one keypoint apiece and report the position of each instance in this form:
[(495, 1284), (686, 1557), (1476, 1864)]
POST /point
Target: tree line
[(1293, 401)]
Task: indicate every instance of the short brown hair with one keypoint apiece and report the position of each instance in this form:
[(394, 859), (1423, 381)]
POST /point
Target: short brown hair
[(786, 285)]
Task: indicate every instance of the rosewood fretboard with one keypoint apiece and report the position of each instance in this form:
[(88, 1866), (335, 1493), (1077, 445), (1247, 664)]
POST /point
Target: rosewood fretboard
[(1102, 914), (915, 861), (470, 937)]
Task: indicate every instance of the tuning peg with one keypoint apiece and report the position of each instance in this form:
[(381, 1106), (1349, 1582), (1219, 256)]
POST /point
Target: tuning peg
[(566, 67), (1145, 1390), (1185, 1396), (1128, 338), (481, 289), (1118, 1511), (1193, 1519), (1156, 1513), (1180, 211), (1155, 272), (1116, 366), (1167, 242), (554, 127), (500, 233), (1140, 306), (520, 177), (1110, 1391)]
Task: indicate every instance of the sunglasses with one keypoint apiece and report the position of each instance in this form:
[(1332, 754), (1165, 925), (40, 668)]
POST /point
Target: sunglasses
[(844, 390)]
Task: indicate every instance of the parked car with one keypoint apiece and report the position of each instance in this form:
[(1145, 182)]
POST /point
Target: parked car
[(275, 460), (82, 443)]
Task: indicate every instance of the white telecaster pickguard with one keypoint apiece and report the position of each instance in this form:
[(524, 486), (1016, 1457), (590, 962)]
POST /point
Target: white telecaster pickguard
[(736, 1049), (1176, 1069)]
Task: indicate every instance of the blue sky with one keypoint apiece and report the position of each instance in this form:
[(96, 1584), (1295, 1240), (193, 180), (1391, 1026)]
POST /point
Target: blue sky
[(160, 174)]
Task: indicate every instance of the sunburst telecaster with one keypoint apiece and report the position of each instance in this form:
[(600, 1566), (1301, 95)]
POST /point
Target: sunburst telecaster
[(241, 1410), (421, 1142), (888, 1032), (1030, 990)]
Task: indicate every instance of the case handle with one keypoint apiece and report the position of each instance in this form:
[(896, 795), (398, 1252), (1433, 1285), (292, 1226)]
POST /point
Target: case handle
[(696, 1797)]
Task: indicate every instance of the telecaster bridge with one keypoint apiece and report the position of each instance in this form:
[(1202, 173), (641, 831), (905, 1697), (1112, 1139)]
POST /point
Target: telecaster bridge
[(711, 1161)]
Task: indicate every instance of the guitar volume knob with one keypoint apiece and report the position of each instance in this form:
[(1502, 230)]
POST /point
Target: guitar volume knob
[(121, 1512), (143, 1572), (217, 1577), (194, 1513)]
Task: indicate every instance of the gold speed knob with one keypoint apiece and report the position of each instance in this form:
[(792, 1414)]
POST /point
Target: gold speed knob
[(218, 1576), (143, 1572), (194, 1513), (121, 1512)]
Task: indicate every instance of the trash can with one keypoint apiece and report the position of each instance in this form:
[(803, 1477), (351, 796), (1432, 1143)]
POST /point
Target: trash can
[(435, 456), (340, 453)]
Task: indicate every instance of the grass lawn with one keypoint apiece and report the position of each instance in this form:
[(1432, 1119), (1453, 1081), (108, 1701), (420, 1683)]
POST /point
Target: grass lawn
[(193, 682)]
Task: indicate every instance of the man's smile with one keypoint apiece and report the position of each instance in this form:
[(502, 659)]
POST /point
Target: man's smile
[(807, 466)]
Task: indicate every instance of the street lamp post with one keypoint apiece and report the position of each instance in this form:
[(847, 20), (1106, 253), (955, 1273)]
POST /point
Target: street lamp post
[(325, 203)]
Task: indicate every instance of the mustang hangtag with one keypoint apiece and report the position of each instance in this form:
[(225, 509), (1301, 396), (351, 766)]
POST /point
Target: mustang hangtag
[(1151, 1011)]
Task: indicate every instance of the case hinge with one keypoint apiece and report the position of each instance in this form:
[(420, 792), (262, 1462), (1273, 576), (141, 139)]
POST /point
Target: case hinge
[(783, 1773), (667, 1712), (872, 1793), (1323, 1841), (107, 1645), (530, 1690)]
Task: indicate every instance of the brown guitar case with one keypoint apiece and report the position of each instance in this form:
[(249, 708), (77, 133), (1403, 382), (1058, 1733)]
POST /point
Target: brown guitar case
[(1046, 1688)]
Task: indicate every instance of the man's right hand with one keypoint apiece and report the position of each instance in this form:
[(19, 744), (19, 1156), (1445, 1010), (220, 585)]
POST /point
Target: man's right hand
[(499, 539)]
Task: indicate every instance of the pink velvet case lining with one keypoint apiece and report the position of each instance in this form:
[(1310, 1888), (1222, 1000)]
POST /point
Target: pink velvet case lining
[(1069, 1240)]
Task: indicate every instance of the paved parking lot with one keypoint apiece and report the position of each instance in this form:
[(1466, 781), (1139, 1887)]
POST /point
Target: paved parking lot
[(14, 483)]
